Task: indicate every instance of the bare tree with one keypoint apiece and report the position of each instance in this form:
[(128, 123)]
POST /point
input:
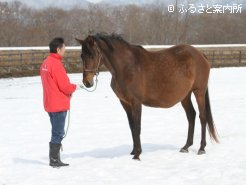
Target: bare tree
[(150, 24)]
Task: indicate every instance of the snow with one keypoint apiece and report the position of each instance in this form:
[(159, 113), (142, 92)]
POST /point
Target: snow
[(98, 143), (145, 46)]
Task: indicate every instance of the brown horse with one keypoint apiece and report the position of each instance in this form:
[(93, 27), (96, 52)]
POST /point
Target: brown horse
[(156, 79)]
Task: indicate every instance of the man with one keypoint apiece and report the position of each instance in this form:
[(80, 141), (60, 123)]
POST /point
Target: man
[(57, 91)]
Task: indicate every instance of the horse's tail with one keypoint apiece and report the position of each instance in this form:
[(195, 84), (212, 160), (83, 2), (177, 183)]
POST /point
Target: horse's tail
[(211, 127)]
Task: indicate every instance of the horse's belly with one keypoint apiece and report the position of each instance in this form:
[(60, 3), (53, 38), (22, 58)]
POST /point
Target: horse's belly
[(166, 98), (162, 103)]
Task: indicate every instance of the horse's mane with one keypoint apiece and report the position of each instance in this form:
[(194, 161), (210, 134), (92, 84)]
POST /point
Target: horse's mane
[(111, 37), (108, 39)]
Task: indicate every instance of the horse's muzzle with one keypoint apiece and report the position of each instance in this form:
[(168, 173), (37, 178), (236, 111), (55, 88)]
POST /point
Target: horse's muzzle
[(88, 84)]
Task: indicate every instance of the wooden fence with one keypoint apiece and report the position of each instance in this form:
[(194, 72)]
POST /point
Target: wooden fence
[(26, 61)]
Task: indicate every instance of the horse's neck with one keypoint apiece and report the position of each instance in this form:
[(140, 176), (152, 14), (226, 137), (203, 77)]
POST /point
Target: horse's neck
[(109, 66), (116, 64)]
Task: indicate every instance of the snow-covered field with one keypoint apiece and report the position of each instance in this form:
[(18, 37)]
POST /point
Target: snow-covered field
[(99, 141)]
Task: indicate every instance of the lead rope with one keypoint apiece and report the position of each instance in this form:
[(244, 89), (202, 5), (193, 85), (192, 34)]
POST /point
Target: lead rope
[(95, 87), (82, 87), (68, 117), (68, 122)]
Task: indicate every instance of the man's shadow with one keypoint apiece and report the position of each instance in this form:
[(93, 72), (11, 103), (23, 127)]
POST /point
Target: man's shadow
[(28, 161)]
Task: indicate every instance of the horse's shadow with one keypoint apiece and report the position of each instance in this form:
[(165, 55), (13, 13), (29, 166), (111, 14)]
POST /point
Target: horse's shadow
[(107, 153), (119, 151)]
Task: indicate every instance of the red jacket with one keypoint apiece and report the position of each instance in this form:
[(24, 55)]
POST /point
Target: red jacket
[(57, 88)]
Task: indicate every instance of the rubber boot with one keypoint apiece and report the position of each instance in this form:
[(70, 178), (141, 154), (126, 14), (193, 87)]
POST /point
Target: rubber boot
[(54, 155)]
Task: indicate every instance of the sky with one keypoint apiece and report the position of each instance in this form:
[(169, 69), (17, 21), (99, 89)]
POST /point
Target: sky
[(71, 3), (57, 3), (30, 1), (94, 1)]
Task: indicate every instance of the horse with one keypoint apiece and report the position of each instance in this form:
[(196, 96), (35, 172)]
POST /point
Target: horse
[(155, 79)]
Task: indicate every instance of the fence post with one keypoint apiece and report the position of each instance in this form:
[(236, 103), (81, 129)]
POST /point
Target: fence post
[(21, 59), (213, 58), (240, 56)]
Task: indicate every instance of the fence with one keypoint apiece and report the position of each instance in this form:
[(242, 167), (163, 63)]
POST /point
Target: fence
[(226, 56), (26, 61)]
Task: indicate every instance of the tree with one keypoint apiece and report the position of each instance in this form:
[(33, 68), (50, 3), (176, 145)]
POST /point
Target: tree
[(150, 24)]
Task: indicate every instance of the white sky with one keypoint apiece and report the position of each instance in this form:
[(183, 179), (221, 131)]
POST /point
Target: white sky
[(42, 3), (93, 1)]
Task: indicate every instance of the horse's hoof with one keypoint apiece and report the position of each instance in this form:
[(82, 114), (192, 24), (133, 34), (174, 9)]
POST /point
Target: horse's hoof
[(136, 158), (136, 152), (201, 152), (184, 150)]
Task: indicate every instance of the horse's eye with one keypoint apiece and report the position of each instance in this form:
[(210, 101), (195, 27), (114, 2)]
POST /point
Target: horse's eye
[(82, 56)]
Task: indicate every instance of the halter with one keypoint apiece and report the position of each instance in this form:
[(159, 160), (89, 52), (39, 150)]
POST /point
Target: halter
[(95, 70)]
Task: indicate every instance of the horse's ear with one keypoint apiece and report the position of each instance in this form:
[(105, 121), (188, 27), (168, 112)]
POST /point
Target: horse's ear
[(79, 41), (91, 40)]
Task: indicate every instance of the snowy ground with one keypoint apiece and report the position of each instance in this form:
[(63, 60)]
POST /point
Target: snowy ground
[(99, 140)]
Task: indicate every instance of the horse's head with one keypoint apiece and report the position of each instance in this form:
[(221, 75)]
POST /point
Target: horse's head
[(91, 58)]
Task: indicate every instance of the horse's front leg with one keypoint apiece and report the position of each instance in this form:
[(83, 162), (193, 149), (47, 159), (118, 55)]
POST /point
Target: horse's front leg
[(133, 111), (136, 130)]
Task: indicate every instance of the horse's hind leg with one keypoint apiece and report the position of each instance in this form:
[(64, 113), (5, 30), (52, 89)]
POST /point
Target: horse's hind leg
[(200, 98), (191, 115), (134, 117)]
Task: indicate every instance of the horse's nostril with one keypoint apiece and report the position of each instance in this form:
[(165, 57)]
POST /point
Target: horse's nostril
[(91, 83), (88, 84)]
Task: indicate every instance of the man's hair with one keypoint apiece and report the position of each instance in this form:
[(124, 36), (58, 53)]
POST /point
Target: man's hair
[(56, 43)]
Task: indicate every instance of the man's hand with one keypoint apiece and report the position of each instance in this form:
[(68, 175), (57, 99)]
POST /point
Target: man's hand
[(78, 86)]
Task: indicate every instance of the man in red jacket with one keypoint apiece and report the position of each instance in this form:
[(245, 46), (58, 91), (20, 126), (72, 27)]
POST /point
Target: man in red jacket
[(57, 91)]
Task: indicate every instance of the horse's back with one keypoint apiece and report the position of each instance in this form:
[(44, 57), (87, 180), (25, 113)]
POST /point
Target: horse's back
[(170, 74), (196, 62), (185, 60)]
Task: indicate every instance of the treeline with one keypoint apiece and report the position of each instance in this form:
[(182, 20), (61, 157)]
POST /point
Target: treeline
[(21, 25)]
